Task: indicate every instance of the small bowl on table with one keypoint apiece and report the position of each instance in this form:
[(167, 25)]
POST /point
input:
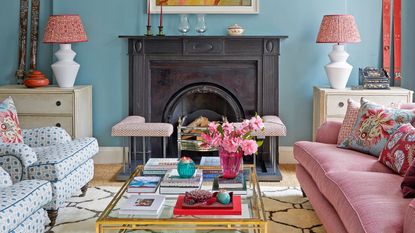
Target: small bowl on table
[(235, 30)]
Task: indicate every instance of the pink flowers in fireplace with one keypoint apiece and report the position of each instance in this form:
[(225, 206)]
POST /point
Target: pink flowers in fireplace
[(234, 137)]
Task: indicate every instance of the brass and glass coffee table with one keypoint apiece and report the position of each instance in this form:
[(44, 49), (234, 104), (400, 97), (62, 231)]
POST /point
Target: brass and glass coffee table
[(252, 219)]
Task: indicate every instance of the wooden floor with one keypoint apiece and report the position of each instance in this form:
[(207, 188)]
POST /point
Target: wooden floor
[(105, 175)]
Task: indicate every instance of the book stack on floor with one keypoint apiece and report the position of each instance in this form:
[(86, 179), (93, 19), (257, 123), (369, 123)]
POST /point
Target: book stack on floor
[(173, 184), (143, 205), (144, 184), (159, 167), (236, 185)]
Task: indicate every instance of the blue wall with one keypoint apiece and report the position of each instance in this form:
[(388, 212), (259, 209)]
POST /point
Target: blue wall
[(104, 63)]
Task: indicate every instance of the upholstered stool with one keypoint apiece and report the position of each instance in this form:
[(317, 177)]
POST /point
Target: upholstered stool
[(135, 126), (273, 128), (163, 130)]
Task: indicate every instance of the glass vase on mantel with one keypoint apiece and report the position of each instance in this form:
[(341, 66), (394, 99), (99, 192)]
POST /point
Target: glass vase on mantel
[(230, 163), (201, 26), (184, 25)]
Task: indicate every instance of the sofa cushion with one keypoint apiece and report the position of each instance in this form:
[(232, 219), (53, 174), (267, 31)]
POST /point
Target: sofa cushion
[(367, 201), (55, 162), (319, 158), (19, 201), (408, 183), (399, 151), (10, 131), (349, 120), (374, 126)]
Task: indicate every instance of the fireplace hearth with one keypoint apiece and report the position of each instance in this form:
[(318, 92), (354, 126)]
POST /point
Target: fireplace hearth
[(172, 77)]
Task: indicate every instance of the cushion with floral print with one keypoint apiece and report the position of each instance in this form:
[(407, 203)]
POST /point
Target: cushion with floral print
[(373, 127), (10, 131), (399, 151)]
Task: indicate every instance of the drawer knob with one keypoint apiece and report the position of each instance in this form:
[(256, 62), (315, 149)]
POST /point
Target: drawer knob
[(58, 103), (341, 104), (58, 124)]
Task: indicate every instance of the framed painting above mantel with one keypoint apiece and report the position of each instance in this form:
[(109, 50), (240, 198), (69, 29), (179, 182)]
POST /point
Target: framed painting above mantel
[(205, 6)]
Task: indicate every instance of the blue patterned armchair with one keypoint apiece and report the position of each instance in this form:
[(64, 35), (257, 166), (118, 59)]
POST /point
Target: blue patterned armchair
[(50, 154), (21, 204)]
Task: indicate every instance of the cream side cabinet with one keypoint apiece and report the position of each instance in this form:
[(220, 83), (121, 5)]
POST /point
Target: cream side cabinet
[(331, 104), (69, 108)]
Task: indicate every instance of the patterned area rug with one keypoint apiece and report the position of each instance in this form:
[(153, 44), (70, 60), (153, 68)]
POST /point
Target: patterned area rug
[(287, 210)]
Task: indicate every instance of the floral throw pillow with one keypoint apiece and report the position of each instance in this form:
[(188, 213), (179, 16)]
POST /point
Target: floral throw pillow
[(349, 120), (373, 127), (399, 151), (10, 131)]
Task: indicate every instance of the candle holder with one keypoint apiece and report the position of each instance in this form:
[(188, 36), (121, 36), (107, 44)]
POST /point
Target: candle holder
[(161, 33), (149, 33)]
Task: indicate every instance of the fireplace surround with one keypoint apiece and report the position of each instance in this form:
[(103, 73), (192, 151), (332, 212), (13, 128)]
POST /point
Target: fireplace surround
[(171, 76)]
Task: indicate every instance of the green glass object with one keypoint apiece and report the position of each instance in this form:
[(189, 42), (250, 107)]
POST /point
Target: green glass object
[(224, 198), (186, 167)]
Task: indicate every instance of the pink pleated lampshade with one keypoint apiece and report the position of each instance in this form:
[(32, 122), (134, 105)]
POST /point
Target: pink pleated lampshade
[(338, 29), (65, 29)]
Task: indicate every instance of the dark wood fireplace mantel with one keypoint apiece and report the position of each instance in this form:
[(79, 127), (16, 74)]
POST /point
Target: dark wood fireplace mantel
[(245, 68), (263, 50)]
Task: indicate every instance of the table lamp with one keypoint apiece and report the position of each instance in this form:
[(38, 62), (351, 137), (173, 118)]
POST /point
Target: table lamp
[(338, 29), (64, 30)]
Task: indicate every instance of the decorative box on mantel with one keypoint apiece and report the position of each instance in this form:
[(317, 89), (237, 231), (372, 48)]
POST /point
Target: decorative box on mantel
[(69, 108), (188, 76)]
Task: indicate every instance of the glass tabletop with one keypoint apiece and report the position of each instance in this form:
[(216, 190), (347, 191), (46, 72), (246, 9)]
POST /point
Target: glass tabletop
[(252, 205)]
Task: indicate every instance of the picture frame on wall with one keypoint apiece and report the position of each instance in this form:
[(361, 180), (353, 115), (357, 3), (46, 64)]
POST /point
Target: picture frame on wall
[(205, 6)]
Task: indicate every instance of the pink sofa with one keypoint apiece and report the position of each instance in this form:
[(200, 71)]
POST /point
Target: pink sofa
[(351, 191)]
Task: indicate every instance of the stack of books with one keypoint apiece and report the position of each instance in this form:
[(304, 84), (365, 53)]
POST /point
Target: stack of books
[(146, 205), (173, 184), (159, 167), (236, 185), (144, 184)]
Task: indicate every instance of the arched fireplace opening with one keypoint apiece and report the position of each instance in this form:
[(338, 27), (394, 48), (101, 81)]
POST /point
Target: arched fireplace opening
[(200, 100)]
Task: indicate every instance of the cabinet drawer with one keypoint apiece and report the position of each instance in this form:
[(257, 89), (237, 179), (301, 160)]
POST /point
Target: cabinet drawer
[(337, 104), (42, 103), (30, 122)]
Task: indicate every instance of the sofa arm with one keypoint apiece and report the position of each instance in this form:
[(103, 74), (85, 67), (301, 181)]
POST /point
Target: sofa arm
[(46, 136), (328, 132), (5, 179), (21, 151), (409, 222)]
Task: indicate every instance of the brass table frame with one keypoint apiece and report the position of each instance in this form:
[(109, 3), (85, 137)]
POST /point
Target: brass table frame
[(257, 223)]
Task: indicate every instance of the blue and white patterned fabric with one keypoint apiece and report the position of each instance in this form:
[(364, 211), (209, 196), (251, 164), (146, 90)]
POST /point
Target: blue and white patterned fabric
[(56, 162), (33, 224), (46, 136), (21, 151), (5, 179), (14, 167), (65, 188), (19, 201)]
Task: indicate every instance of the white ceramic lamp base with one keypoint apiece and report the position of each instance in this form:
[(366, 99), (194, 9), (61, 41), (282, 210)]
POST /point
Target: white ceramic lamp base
[(338, 71), (65, 69)]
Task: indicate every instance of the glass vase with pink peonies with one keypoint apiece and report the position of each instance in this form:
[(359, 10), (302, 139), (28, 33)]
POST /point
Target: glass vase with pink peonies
[(233, 140)]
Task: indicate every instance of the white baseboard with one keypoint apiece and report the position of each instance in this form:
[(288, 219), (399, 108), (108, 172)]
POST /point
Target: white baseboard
[(109, 155), (113, 155), (287, 155)]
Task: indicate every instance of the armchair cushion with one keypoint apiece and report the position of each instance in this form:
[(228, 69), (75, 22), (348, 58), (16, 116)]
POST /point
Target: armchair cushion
[(5, 179), (10, 131), (57, 161), (46, 136), (21, 200)]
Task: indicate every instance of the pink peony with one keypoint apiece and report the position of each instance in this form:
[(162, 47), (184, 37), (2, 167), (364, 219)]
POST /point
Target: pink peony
[(213, 127), (227, 128), (249, 147), (256, 123), (230, 145)]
